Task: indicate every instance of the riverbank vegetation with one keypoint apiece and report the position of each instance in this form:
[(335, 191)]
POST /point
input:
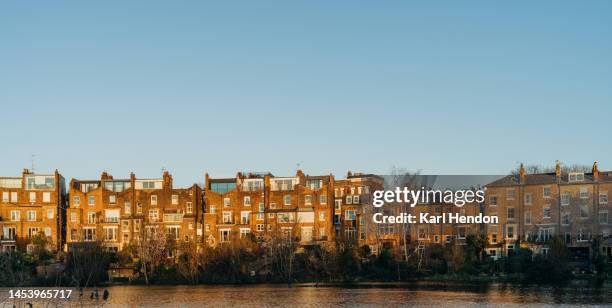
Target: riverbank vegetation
[(282, 260)]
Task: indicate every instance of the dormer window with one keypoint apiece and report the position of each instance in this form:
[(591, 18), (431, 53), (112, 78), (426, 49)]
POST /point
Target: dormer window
[(576, 177)]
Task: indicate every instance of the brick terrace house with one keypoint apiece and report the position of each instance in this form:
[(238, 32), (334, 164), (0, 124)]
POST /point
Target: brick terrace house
[(532, 208), (262, 206), (353, 210), (121, 212), (444, 233), (32, 205)]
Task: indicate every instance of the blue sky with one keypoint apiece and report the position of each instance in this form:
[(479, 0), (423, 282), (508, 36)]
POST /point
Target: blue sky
[(452, 87)]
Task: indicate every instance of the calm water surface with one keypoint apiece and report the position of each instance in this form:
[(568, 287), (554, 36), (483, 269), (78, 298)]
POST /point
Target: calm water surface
[(307, 295)]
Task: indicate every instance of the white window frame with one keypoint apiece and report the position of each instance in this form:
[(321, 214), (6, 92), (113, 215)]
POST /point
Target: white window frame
[(189, 207), (46, 197), (528, 198), (31, 215), (513, 213), (546, 211), (308, 200), (546, 189), (584, 193), (245, 217), (91, 218), (225, 235), (113, 234), (350, 215), (459, 236), (261, 211), (510, 194), (566, 198), (528, 218), (573, 177), (230, 217), (153, 215), (244, 232), (567, 221), (15, 215), (603, 194), (493, 200), (606, 215)]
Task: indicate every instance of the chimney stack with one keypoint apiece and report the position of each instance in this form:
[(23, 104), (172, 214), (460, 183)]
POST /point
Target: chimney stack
[(522, 174), (558, 169), (595, 171), (167, 179)]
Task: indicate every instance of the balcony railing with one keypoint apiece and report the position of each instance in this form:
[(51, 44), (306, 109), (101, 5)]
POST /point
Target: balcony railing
[(173, 217)]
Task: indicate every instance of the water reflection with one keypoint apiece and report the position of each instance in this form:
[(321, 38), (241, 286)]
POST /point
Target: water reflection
[(374, 294)]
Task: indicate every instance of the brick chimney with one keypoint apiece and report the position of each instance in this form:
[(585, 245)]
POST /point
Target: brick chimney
[(106, 176), (558, 169), (522, 174), (595, 171), (167, 179)]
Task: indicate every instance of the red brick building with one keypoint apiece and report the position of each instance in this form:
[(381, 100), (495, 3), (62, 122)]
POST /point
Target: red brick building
[(121, 212), (32, 205)]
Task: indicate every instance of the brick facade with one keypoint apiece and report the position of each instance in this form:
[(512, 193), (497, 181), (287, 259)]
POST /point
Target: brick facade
[(533, 208), (121, 212), (263, 206), (32, 205)]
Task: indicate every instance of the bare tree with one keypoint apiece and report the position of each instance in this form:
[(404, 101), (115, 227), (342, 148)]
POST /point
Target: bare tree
[(401, 178), (87, 263), (189, 262), (283, 247), (152, 249)]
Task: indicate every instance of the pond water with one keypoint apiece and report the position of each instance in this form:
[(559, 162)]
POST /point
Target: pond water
[(410, 294)]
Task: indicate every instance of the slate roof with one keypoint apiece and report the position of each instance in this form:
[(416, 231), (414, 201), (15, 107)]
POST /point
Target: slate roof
[(549, 178)]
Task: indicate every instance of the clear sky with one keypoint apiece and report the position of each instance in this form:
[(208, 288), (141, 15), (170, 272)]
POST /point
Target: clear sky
[(457, 87)]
